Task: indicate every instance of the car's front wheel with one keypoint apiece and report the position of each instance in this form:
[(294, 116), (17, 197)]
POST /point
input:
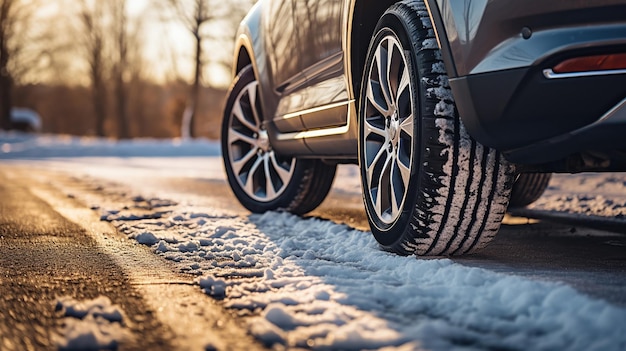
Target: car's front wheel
[(428, 187), (261, 178)]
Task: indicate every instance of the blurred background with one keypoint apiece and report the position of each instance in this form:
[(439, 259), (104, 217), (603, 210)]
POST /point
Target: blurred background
[(117, 68)]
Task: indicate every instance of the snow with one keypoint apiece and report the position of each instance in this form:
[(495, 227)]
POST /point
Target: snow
[(90, 324), (325, 286), (19, 145), (311, 283)]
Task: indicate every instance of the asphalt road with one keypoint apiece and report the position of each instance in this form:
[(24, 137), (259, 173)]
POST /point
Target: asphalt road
[(51, 246), (45, 255)]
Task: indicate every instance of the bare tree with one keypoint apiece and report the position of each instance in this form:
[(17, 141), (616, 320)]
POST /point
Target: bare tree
[(15, 19), (194, 14), (197, 16), (6, 81), (91, 15), (120, 32)]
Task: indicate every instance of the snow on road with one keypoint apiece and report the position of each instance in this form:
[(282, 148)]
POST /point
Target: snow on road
[(91, 324), (313, 283), (316, 284)]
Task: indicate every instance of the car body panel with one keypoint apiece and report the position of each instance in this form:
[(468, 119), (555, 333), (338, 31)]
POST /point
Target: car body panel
[(486, 36), (305, 93)]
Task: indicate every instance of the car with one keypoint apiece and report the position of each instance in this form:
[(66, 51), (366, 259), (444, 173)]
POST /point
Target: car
[(25, 120), (452, 109)]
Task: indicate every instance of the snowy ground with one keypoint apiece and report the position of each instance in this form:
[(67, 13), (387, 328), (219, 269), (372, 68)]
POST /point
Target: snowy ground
[(315, 284)]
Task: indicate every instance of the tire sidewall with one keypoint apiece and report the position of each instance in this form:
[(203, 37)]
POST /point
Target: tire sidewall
[(243, 79), (389, 234)]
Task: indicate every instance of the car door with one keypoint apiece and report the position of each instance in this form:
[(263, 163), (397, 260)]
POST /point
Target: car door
[(319, 33), (283, 73)]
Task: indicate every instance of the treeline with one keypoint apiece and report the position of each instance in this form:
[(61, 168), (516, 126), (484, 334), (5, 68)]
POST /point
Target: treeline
[(154, 110), (84, 67)]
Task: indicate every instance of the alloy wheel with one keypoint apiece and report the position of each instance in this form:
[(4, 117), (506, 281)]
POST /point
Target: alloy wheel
[(388, 130), (260, 172)]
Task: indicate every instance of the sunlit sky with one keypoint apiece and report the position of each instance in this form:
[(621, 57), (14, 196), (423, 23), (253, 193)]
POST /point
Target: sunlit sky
[(168, 46), (171, 40), (164, 40)]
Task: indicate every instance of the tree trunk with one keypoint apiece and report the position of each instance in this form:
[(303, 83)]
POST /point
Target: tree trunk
[(189, 117), (122, 122), (122, 58), (6, 86), (99, 100), (6, 81)]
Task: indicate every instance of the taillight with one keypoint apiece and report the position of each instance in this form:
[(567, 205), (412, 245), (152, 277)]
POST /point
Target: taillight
[(592, 63)]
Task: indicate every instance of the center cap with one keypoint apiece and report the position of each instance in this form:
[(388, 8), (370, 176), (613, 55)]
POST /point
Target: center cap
[(394, 126), (264, 141)]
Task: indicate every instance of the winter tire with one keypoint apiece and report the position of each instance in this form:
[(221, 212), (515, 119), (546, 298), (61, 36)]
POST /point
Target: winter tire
[(428, 187), (528, 188), (261, 179)]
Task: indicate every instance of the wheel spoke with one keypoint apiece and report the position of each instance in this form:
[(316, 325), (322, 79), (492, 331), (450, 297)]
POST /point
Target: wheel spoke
[(393, 184), (234, 135), (238, 113), (405, 171), (382, 186), (374, 100), (371, 166), (249, 185), (390, 52), (382, 62), (252, 89), (407, 125), (239, 163), (372, 129), (261, 174), (283, 174), (404, 83), (270, 192)]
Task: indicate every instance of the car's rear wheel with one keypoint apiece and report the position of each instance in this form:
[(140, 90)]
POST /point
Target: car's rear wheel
[(428, 187), (262, 179), (528, 188)]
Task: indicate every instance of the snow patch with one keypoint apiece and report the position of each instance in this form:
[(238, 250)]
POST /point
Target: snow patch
[(147, 238), (213, 286), (430, 43), (90, 324)]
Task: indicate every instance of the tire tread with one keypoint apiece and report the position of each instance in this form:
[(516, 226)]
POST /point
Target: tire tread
[(464, 186)]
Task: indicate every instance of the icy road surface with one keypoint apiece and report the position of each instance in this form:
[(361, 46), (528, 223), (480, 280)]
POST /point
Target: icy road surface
[(315, 283)]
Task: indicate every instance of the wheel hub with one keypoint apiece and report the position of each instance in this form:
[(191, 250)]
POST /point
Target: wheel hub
[(263, 141), (393, 127)]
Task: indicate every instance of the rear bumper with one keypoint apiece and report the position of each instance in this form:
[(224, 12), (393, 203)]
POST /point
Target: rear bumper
[(605, 138), (499, 70), (533, 119)]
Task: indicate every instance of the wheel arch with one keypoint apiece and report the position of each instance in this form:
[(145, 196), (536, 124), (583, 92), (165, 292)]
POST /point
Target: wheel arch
[(363, 17), (242, 60), (247, 39)]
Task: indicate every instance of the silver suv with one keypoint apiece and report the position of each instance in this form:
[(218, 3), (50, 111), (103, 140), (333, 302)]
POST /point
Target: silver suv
[(451, 108)]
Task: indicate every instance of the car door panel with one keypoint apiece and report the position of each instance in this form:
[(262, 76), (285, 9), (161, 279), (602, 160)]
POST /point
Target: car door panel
[(319, 41)]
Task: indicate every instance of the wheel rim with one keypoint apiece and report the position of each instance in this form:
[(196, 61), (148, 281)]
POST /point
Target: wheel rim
[(261, 173), (387, 135)]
